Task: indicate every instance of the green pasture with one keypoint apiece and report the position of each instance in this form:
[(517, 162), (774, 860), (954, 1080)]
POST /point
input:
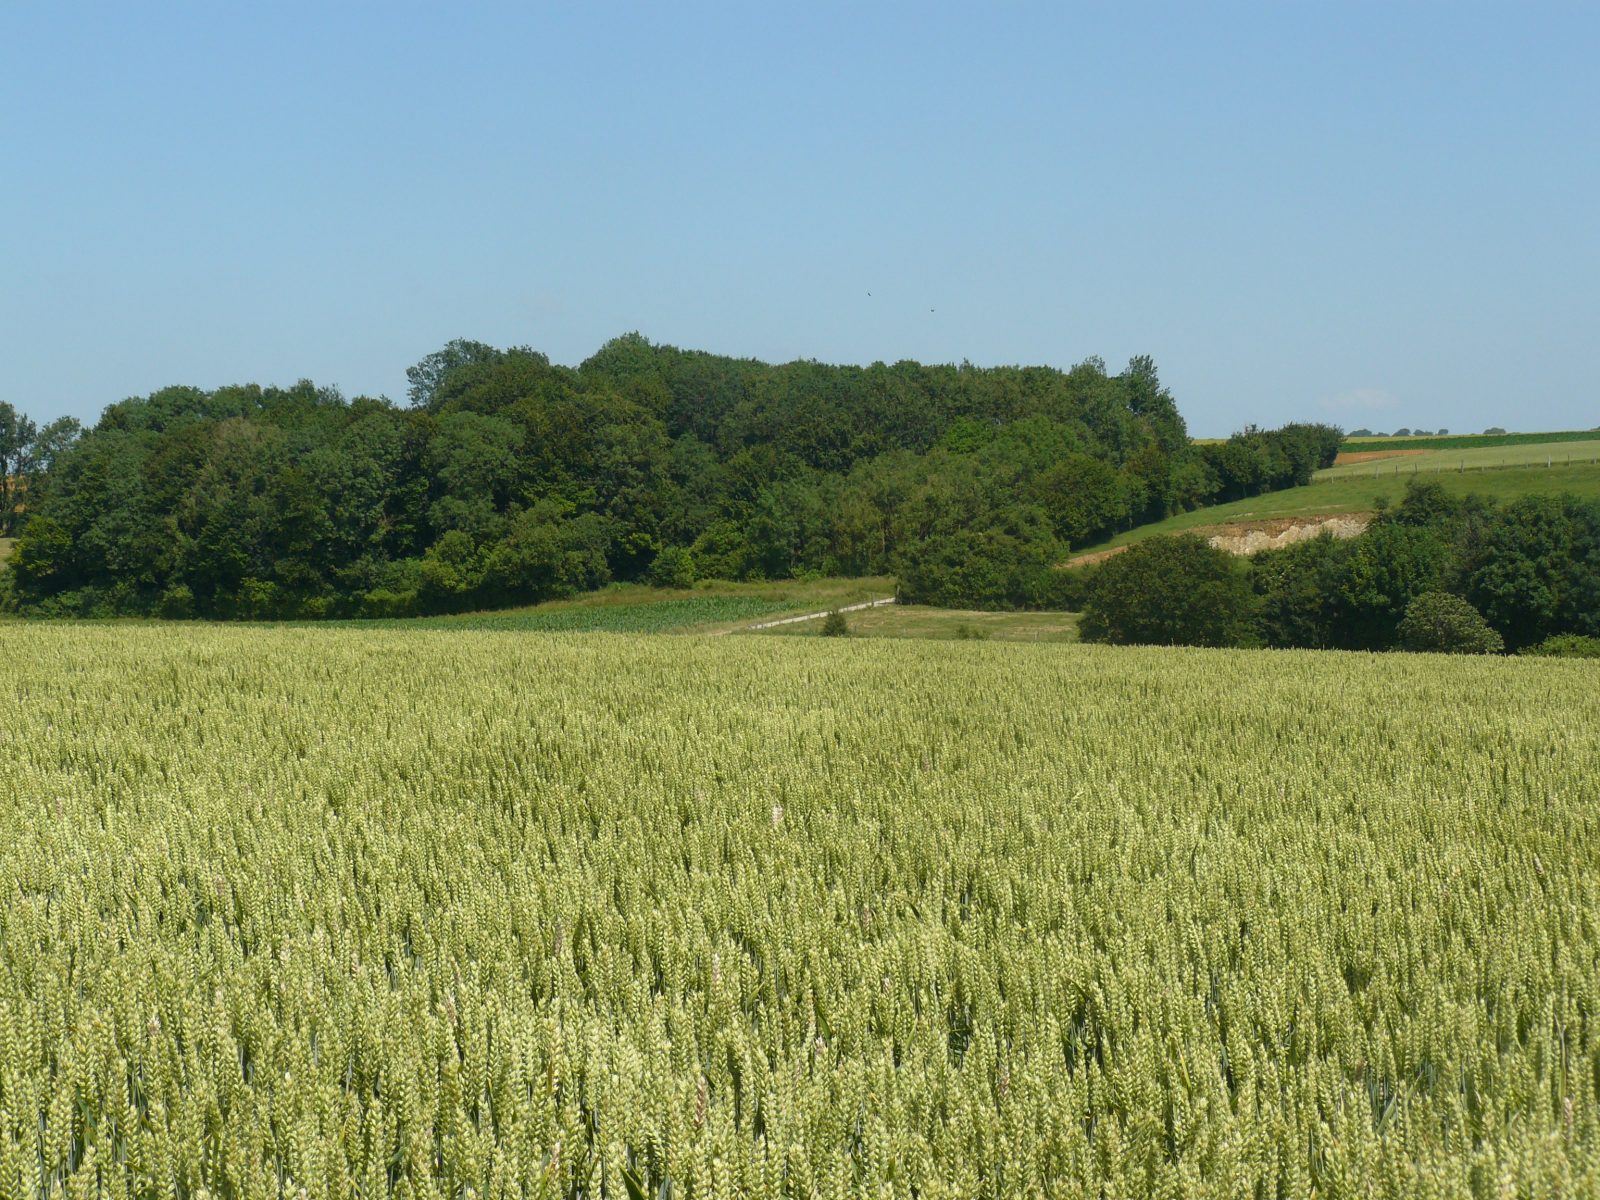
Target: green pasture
[(1425, 461)]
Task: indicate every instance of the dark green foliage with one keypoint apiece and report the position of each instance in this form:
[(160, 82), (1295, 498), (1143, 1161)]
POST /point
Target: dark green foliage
[(966, 632), (835, 625), (1293, 590), (1374, 577), (1258, 460), (1438, 621), (511, 480), (1530, 568), (673, 568), (1566, 645), (1426, 503), (1520, 573), (1062, 589), (995, 566), (1170, 591), (17, 434)]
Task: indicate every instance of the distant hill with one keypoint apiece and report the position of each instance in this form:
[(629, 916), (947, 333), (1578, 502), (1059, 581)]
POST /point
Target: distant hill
[(511, 480)]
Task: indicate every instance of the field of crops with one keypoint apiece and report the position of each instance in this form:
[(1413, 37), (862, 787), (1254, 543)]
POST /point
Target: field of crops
[(331, 913), (1468, 440), (1421, 460)]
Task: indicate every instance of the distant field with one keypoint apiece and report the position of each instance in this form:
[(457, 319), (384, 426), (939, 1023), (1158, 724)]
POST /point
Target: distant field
[(1356, 493), (1468, 440), (1421, 459), (917, 621)]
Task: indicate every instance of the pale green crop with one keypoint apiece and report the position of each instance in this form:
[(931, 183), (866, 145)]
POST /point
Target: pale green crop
[(336, 913)]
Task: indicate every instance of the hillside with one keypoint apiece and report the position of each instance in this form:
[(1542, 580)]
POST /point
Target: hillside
[(1356, 493), (1359, 461), (510, 480)]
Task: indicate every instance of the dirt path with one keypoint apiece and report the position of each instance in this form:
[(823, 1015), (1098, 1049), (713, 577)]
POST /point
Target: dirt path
[(817, 616)]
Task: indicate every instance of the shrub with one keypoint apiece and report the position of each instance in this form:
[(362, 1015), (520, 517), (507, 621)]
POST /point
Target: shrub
[(1566, 645), (672, 568), (834, 625), (1060, 589), (1448, 624), (1170, 591), (970, 633), (177, 603)]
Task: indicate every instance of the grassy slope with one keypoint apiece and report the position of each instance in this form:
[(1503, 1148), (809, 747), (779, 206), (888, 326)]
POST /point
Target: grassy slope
[(917, 621), (5, 549), (1478, 458), (1356, 494)]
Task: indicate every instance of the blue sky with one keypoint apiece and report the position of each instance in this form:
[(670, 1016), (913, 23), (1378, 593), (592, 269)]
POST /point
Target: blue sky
[(1377, 214)]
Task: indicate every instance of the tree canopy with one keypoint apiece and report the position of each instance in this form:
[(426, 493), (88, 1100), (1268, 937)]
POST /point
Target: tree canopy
[(1177, 590), (509, 479)]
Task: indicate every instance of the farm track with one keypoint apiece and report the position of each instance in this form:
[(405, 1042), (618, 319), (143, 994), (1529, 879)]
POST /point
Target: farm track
[(817, 616)]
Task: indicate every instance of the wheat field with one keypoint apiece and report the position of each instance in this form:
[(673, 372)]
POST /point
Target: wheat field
[(319, 913)]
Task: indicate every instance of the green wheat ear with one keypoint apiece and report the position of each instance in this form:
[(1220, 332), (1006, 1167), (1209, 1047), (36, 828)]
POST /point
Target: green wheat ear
[(495, 915)]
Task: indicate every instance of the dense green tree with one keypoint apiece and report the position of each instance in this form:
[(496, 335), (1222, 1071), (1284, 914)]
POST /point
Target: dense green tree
[(673, 567), (995, 566), (509, 479), (1083, 496), (428, 376), (1446, 624), (1293, 589), (1170, 591), (1519, 575), (1373, 578), (17, 435)]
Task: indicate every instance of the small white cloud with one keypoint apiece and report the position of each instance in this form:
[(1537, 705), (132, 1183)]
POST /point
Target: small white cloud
[(1361, 400)]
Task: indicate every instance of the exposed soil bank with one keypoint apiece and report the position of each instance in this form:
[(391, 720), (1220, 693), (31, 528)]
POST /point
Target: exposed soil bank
[(1250, 537)]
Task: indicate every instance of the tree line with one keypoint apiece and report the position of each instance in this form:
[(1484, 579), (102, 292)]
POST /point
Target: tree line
[(507, 479), (27, 453), (1433, 572)]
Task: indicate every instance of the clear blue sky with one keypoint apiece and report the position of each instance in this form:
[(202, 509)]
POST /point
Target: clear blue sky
[(1380, 214)]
